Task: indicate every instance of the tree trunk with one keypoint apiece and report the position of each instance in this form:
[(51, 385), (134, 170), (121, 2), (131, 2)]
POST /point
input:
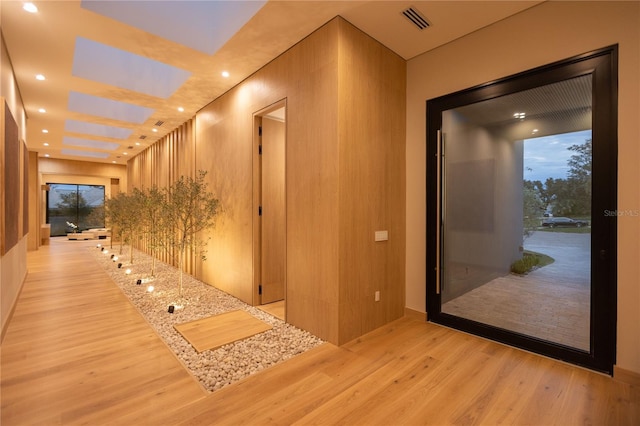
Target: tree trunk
[(180, 260), (153, 264)]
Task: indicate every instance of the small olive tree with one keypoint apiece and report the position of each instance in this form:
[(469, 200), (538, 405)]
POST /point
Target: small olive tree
[(153, 226), (114, 216), (132, 218), (189, 209), (125, 214)]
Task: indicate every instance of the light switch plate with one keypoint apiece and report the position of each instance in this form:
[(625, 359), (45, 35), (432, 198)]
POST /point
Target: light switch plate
[(382, 235)]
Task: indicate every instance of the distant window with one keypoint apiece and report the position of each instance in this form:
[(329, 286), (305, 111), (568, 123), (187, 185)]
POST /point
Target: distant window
[(80, 205)]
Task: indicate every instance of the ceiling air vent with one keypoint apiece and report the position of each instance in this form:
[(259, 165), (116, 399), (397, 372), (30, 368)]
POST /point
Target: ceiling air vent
[(159, 123), (416, 18), (143, 136)]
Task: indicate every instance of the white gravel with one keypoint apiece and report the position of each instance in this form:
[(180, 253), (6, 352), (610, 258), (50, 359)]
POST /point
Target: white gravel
[(214, 368)]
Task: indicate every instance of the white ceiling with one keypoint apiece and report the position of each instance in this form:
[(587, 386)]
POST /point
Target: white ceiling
[(118, 70)]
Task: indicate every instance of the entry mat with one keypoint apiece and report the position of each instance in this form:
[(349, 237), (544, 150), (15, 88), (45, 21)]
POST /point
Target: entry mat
[(219, 330)]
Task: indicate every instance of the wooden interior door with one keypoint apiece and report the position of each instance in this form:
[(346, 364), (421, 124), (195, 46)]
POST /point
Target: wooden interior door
[(273, 242)]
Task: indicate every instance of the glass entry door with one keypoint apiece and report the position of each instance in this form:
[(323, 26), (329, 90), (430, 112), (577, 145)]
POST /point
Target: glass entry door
[(521, 173), (516, 240)]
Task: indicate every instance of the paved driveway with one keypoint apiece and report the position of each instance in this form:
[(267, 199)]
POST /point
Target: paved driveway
[(572, 254)]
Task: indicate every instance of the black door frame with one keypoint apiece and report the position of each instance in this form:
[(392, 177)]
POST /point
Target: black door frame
[(602, 64)]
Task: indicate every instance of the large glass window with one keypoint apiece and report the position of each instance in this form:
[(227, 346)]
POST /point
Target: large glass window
[(74, 208)]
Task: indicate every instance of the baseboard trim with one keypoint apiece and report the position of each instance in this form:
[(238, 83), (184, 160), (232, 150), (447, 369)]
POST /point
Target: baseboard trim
[(5, 326), (416, 315), (626, 376)]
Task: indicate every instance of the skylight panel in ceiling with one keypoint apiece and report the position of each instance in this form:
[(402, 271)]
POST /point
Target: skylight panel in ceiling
[(87, 143), (202, 25), (97, 129), (108, 108), (109, 65), (78, 153)]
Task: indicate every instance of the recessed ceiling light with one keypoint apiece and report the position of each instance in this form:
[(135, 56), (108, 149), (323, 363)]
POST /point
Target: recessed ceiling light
[(45, 131), (137, 143), (535, 131), (42, 110), (225, 74), (124, 153), (40, 77), (46, 144), (519, 115), (154, 130), (180, 109), (46, 155), (30, 7), (114, 161)]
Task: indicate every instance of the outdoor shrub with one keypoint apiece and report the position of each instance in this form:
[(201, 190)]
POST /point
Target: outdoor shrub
[(524, 265)]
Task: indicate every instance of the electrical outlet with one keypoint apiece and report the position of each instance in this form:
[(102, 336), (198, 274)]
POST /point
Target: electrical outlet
[(377, 296)]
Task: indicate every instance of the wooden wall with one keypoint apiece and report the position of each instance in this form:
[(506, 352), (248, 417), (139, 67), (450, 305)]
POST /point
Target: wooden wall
[(35, 205), (13, 179), (372, 87), (345, 98), (161, 164), (306, 76)]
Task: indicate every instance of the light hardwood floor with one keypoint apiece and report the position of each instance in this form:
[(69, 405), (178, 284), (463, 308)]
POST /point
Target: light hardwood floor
[(76, 352)]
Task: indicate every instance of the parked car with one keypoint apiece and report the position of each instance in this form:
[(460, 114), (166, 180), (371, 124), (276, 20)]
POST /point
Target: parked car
[(563, 222)]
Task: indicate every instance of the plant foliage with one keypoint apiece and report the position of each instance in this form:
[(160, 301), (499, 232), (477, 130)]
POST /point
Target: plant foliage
[(189, 209), (171, 218)]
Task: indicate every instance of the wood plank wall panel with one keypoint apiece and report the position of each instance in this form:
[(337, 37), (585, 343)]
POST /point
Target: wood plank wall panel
[(320, 283), (312, 202), (34, 194), (223, 144), (11, 189), (274, 220), (3, 207), (306, 76), (25, 190), (182, 150), (372, 169), (159, 165)]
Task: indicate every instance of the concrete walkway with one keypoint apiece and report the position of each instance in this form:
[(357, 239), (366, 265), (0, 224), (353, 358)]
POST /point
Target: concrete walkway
[(551, 303)]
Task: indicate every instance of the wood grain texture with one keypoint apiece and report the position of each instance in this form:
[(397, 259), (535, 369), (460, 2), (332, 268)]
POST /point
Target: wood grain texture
[(345, 179), (273, 227), (24, 197), (409, 373), (11, 189), (76, 352), (34, 195), (277, 309), (161, 164), (219, 330), (372, 169)]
